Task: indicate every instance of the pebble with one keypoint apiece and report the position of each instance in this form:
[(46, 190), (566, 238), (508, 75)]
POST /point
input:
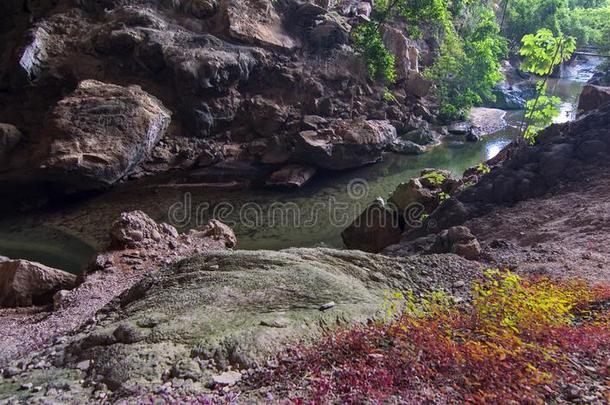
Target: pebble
[(26, 386), (227, 378), (83, 365), (327, 306)]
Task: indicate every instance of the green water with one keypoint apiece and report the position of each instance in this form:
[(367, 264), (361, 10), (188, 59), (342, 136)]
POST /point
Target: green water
[(48, 246), (66, 236)]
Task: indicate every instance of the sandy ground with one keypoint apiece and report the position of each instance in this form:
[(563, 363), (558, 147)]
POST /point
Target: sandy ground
[(563, 234)]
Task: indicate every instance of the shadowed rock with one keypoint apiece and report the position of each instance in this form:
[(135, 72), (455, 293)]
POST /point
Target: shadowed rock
[(97, 135), (24, 283)]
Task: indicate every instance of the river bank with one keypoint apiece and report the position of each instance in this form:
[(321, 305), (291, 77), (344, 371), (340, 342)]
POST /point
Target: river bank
[(262, 218), (183, 329)]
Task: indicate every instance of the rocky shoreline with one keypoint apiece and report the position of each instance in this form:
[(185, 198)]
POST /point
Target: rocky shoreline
[(107, 94), (198, 88), (141, 320)]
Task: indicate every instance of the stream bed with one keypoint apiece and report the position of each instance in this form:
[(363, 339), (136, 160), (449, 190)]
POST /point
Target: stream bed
[(315, 215)]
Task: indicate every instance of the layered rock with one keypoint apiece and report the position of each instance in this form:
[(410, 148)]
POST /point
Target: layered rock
[(24, 283), (346, 143), (95, 136)]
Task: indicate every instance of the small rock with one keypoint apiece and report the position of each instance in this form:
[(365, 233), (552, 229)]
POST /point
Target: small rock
[(26, 386), (59, 299), (83, 365), (276, 323), (187, 369), (327, 306), (127, 333), (459, 128), (227, 378), (10, 372)]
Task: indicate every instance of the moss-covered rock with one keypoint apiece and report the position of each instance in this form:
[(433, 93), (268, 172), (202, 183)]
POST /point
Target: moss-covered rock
[(235, 309)]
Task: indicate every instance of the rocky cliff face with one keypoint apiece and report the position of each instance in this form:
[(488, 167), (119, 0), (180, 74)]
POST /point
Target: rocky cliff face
[(269, 82)]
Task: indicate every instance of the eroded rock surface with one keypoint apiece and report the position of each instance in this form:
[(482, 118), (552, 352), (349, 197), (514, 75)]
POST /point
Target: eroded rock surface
[(139, 245), (209, 312), (95, 136), (24, 283)]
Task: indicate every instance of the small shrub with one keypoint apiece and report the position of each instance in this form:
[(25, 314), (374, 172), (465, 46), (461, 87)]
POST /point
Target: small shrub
[(483, 168), (379, 60), (435, 178), (388, 96)]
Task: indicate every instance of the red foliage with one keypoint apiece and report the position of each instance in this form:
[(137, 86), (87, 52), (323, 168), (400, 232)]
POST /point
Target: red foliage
[(445, 357)]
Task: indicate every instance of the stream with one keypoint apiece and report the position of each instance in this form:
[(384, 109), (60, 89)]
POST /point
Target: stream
[(68, 236)]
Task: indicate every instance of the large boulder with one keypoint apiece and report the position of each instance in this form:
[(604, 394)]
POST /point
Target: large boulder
[(406, 55), (412, 193), (99, 134), (24, 283), (376, 228), (331, 30), (417, 85), (381, 225), (10, 136), (258, 23), (346, 144), (593, 97)]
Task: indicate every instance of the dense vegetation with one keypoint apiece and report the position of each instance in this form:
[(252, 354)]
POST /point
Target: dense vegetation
[(511, 345), (474, 36)]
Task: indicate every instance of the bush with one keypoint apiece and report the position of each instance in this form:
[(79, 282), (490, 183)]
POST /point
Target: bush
[(526, 16), (379, 60), (512, 345), (590, 27)]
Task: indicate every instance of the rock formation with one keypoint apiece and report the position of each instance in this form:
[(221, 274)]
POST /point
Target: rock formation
[(138, 246), (24, 283), (593, 97), (519, 172), (203, 315), (237, 78)]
